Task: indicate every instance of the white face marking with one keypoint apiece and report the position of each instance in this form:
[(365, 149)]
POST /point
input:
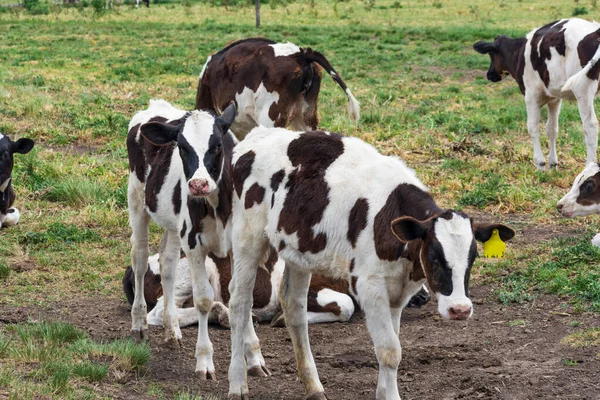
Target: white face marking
[(285, 49), (455, 236), (204, 67), (4, 185), (1, 136), (570, 207)]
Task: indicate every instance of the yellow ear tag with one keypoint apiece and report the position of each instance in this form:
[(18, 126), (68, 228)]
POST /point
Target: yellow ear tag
[(494, 247)]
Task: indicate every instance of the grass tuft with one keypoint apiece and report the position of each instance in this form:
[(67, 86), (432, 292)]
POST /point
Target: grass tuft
[(583, 338)]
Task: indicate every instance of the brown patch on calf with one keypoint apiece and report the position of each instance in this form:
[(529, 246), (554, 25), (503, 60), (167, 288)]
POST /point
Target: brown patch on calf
[(320, 282), (254, 195), (241, 171), (544, 38), (412, 253), (308, 196), (276, 180), (357, 220), (586, 49)]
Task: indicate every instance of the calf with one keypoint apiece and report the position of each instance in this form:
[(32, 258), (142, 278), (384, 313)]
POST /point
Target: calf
[(557, 61), (179, 178), (584, 197), (9, 215), (273, 84), (328, 299), (335, 206)]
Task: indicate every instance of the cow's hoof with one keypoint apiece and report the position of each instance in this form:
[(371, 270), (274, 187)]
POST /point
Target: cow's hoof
[(258, 370), (139, 336), (596, 240), (238, 397), (278, 320), (554, 166), (207, 375), (541, 166), (173, 343), (317, 396), (224, 320), (421, 298)]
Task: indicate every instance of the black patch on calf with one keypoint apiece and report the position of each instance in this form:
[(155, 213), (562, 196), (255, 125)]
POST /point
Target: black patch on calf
[(241, 171), (551, 35), (183, 230), (177, 198), (136, 154), (189, 157), (308, 195), (357, 220), (156, 178), (586, 50), (281, 245), (276, 180), (440, 279), (213, 158), (254, 195), (589, 191), (198, 209)]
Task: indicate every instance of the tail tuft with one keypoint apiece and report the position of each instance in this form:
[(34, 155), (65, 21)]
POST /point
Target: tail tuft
[(353, 107)]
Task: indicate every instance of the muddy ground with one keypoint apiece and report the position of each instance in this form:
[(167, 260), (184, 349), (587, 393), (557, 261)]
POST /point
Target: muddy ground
[(503, 352)]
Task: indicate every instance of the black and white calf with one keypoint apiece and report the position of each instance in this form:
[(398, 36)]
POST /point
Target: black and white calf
[(273, 84), (333, 205), (584, 197), (9, 215), (179, 178), (555, 62)]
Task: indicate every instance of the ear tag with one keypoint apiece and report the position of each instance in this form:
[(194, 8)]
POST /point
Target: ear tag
[(494, 247)]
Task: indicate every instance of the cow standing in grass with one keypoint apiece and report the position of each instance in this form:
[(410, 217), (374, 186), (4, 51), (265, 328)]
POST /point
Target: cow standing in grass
[(333, 205), (273, 84), (9, 215), (555, 62)]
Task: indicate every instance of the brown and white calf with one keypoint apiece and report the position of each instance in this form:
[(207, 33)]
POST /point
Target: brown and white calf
[(273, 84), (328, 299), (179, 179), (584, 197), (333, 205), (9, 215), (555, 62)]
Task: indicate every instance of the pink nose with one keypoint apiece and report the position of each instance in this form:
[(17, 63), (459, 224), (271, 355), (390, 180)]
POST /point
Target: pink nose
[(198, 187), (459, 312)]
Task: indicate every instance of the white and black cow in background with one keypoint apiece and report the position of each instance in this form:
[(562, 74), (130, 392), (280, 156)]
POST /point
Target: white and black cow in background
[(584, 197), (333, 205), (557, 61), (9, 215), (273, 84)]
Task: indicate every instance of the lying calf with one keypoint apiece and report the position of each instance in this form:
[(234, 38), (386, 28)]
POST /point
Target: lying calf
[(9, 215)]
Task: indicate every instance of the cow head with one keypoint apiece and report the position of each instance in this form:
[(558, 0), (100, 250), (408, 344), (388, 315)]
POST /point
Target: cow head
[(498, 69), (199, 139), (584, 196), (447, 253), (7, 149)]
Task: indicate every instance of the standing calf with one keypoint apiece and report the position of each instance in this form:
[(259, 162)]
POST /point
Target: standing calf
[(273, 84), (335, 206), (9, 215), (557, 61)]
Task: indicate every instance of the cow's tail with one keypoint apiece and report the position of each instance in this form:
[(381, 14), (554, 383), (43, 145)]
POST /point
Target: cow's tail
[(353, 104), (128, 284), (575, 79)]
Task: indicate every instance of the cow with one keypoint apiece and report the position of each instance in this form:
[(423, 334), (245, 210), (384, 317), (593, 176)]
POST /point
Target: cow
[(273, 84), (328, 299), (584, 197), (9, 215), (555, 62), (333, 205)]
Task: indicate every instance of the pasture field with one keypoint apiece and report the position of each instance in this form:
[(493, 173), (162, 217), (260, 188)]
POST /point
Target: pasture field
[(72, 79)]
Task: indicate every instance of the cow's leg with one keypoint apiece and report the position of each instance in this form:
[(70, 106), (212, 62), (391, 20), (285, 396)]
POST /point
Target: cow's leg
[(140, 222), (294, 291), (533, 122), (328, 306), (585, 102), (396, 314), (383, 327), (168, 258), (203, 302), (552, 131)]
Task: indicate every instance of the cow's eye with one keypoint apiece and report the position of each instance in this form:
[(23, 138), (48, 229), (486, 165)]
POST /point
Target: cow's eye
[(588, 187), (218, 149)]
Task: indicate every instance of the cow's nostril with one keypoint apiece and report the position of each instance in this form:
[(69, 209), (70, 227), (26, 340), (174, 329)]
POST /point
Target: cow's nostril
[(559, 207)]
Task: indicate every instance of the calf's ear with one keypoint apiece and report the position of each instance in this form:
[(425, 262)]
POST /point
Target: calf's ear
[(224, 121), (22, 146), (159, 133), (408, 228), (484, 47), (483, 232)]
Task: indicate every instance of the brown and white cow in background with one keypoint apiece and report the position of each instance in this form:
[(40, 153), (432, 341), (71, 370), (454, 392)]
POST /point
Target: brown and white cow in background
[(328, 299), (9, 215), (584, 197), (273, 84), (555, 62), (333, 205)]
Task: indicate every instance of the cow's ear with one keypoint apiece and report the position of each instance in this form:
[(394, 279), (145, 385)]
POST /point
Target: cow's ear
[(22, 146), (159, 133), (485, 47), (483, 232), (407, 229), (225, 120)]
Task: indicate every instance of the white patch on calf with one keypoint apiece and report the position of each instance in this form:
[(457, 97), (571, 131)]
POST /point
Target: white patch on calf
[(569, 207), (1, 135), (285, 49), (204, 67), (327, 296), (4, 185), (455, 236), (154, 264)]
